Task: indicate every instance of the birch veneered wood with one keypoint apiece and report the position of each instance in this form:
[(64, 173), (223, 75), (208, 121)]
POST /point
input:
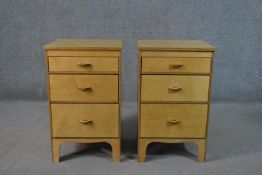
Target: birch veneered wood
[(174, 93), (84, 92)]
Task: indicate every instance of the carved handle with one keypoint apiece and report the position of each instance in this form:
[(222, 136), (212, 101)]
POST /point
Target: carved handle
[(85, 88), (84, 64), (86, 122), (175, 66), (175, 89), (173, 122)]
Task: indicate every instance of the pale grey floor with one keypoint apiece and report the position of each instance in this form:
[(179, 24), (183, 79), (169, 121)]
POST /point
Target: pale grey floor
[(234, 147)]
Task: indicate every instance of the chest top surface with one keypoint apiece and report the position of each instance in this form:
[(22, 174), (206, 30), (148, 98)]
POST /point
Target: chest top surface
[(84, 44), (174, 45)]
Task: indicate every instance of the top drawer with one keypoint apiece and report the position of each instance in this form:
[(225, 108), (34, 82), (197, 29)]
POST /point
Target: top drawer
[(83, 64), (175, 65)]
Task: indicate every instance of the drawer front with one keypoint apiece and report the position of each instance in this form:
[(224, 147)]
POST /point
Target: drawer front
[(85, 120), (83, 64), (173, 120), (84, 88), (175, 65), (174, 88)]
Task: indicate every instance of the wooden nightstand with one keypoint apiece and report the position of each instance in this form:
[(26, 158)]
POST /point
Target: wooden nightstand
[(174, 93), (84, 92)]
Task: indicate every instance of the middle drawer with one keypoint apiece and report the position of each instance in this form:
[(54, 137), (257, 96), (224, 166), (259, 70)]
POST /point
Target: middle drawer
[(174, 88), (84, 88)]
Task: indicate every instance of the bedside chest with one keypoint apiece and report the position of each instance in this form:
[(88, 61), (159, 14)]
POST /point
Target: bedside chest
[(174, 93), (84, 92)]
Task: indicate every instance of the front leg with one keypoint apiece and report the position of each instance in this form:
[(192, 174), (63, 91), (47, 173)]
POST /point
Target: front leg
[(142, 145), (55, 150), (201, 150), (116, 149)]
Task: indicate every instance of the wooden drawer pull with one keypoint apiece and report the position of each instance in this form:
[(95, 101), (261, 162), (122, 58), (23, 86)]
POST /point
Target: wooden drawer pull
[(175, 89), (173, 122), (85, 88), (84, 64), (175, 66), (86, 122)]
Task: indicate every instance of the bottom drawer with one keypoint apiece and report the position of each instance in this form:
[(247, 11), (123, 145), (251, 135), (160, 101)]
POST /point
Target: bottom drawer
[(173, 120), (85, 120)]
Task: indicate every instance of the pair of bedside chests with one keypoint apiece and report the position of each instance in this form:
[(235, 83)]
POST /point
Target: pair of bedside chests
[(84, 89)]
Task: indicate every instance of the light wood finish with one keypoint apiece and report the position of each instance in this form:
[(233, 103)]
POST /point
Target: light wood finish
[(141, 151), (84, 93), (85, 120), (174, 102), (82, 53), (174, 88), (176, 65), (84, 88), (116, 149), (166, 54), (114, 143), (177, 120), (56, 144), (83, 64), (84, 44), (175, 45)]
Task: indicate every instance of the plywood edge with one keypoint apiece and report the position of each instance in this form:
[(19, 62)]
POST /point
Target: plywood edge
[(82, 53), (178, 49), (174, 45), (85, 44)]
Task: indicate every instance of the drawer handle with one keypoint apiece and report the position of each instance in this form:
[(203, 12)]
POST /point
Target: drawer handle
[(175, 66), (173, 122), (86, 122), (175, 89), (84, 64), (85, 88)]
